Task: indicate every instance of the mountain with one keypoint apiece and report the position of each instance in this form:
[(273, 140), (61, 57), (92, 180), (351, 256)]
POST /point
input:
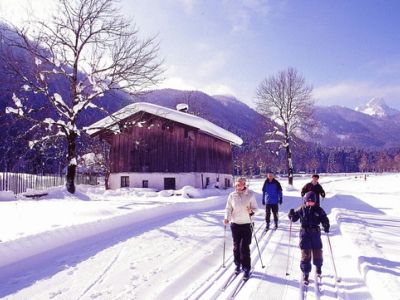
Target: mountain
[(340, 126), (378, 108)]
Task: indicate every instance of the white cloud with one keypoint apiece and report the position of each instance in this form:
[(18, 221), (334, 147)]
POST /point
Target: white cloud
[(19, 11), (261, 7), (177, 80), (219, 89), (188, 5), (240, 22), (212, 64), (356, 93), (180, 83), (242, 12), (177, 83)]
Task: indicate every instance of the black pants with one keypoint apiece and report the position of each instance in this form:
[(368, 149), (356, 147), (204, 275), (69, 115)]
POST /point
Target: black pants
[(241, 234), (311, 246), (274, 209), (305, 262)]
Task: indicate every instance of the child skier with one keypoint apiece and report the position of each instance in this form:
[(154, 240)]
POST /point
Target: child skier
[(310, 216)]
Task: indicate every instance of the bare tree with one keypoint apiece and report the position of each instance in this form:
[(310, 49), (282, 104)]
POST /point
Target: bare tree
[(89, 45), (363, 163), (286, 99), (313, 165)]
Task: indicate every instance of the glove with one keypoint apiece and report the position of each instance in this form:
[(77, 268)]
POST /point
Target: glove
[(291, 213), (280, 200), (326, 229), (263, 199)]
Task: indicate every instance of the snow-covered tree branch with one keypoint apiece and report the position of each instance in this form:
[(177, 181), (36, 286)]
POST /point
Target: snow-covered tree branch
[(88, 45)]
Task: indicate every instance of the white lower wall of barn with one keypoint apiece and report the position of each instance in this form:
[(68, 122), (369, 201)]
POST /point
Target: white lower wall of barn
[(156, 180)]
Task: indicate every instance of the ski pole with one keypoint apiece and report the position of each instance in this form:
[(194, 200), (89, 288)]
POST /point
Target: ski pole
[(333, 261), (223, 254), (255, 238), (290, 236)]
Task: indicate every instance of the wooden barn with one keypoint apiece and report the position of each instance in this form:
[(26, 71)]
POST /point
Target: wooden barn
[(161, 148)]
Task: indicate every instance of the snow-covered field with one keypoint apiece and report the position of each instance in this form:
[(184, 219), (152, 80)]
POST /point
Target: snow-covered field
[(139, 244)]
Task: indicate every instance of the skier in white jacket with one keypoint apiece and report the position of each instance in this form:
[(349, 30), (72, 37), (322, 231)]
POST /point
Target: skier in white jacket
[(240, 206)]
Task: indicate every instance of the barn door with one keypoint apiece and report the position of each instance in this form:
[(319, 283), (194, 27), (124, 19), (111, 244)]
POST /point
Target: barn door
[(169, 183)]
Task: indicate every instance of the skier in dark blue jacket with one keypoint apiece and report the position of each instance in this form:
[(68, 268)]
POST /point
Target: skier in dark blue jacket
[(310, 215), (272, 195)]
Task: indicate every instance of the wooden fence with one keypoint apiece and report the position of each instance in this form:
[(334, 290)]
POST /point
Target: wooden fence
[(20, 182)]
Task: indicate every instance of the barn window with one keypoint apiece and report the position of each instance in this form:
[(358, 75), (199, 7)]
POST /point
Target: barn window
[(145, 183), (124, 181), (169, 183)]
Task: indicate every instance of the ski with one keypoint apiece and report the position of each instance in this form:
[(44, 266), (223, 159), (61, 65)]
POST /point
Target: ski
[(230, 279), (263, 233), (248, 277), (303, 288), (239, 286), (318, 285)]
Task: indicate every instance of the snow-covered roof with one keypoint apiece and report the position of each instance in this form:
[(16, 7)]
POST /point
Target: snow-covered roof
[(167, 113)]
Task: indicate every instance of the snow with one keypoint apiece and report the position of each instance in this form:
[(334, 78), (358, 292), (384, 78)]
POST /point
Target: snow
[(167, 113), (38, 61), (377, 107), (143, 244), (7, 196), (58, 100)]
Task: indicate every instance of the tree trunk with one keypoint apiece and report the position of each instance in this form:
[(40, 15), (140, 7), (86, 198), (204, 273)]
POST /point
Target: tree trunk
[(71, 169), (106, 181), (289, 165)]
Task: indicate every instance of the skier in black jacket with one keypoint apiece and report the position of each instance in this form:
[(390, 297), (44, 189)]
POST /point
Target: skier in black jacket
[(315, 187), (310, 216)]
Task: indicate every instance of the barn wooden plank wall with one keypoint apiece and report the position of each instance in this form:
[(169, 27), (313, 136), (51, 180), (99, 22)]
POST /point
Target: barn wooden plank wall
[(161, 145)]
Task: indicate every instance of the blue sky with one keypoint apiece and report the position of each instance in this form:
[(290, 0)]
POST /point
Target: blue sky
[(348, 50)]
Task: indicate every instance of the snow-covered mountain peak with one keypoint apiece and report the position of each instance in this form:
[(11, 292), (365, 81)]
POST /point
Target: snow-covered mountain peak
[(377, 107)]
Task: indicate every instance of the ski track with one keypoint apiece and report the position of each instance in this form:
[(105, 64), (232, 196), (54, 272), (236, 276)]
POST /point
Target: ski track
[(102, 275), (204, 259), (265, 283), (216, 288)]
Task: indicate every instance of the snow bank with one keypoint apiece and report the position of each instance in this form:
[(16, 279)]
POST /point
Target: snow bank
[(373, 263), (19, 249), (7, 196)]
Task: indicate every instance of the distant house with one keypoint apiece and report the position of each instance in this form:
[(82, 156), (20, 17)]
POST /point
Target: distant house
[(161, 148)]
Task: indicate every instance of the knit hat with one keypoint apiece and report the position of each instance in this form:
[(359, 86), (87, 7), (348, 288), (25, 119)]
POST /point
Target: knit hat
[(310, 196)]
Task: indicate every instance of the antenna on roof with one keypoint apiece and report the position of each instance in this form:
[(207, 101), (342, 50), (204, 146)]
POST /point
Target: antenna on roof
[(183, 107)]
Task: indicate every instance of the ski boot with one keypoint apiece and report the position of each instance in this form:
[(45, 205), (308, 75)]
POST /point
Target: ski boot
[(305, 279), (246, 274), (237, 270)]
